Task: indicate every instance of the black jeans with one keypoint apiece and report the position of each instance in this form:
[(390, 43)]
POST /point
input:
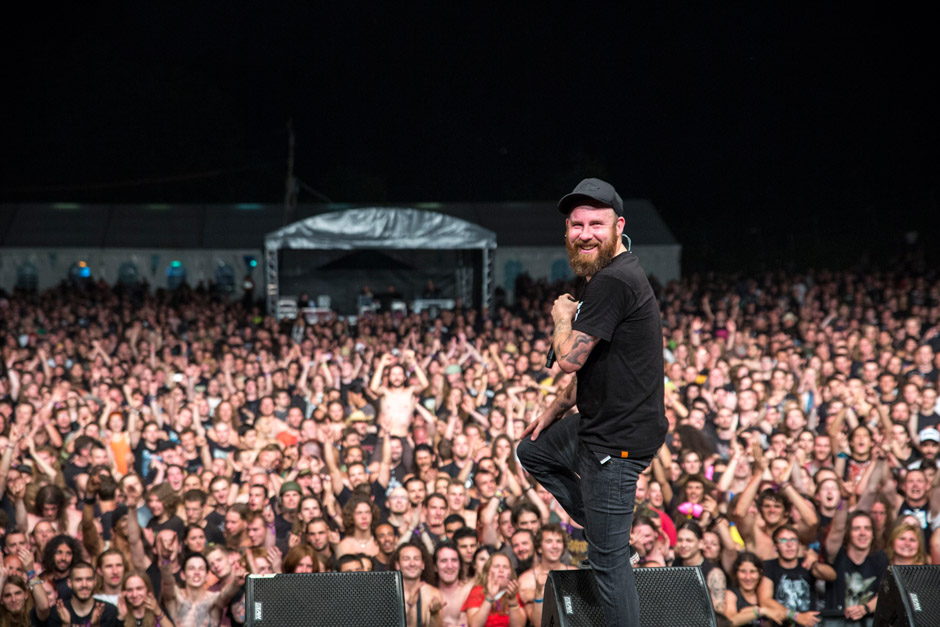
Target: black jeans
[(598, 494)]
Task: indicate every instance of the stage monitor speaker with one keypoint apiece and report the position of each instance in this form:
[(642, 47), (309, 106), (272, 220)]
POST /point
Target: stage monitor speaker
[(909, 596), (668, 597), (337, 599)]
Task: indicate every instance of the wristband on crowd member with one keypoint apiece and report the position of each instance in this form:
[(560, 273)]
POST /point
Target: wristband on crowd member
[(538, 600), (30, 574), (90, 500), (791, 615)]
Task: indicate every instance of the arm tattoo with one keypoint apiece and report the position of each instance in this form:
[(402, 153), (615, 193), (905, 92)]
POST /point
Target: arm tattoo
[(562, 331), (580, 349), (568, 397), (717, 586)]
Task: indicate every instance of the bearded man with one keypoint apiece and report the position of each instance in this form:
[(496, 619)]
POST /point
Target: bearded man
[(612, 340)]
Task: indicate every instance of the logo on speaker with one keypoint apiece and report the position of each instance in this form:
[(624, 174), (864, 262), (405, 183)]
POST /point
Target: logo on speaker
[(569, 608), (257, 611), (915, 602)]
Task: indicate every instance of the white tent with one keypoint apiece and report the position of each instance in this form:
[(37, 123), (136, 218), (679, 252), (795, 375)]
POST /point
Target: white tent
[(387, 228)]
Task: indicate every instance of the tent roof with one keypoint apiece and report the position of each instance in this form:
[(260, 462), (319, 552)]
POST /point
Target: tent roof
[(381, 227)]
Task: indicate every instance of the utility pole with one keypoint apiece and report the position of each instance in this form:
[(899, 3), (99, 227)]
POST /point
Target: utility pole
[(290, 184)]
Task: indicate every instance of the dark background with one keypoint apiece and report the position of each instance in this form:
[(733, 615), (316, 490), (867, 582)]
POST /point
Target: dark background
[(767, 134)]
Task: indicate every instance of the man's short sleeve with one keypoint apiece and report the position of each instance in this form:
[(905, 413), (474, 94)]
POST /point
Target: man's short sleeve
[(606, 302)]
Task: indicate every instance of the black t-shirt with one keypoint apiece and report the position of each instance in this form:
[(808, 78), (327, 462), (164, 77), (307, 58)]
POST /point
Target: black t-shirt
[(379, 567), (214, 534), (453, 470), (743, 603), (823, 412), (925, 421), (705, 566), (7, 506), (620, 387), (106, 518), (722, 446), (930, 376), (235, 611), (282, 529), (921, 513), (173, 522), (62, 588), (251, 406), (912, 460), (378, 495), (156, 578), (220, 451), (855, 584), (109, 616), (794, 588), (193, 465), (370, 445), (71, 471), (215, 519)]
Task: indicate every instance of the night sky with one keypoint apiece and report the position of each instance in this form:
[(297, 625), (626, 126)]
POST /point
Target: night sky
[(773, 130)]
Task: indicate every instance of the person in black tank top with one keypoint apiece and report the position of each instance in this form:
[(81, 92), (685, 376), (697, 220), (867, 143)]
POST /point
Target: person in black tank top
[(751, 595)]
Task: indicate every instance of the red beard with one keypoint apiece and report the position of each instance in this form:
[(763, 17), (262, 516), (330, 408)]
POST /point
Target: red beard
[(589, 265)]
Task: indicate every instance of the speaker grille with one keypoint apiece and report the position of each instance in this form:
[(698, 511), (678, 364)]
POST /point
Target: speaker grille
[(920, 586), (673, 596), (334, 599), (668, 597), (572, 594)]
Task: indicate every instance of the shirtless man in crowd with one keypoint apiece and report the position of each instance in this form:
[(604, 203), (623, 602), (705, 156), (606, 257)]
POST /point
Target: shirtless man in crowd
[(398, 399), (419, 595), (552, 540), (453, 590), (771, 512), (194, 605)]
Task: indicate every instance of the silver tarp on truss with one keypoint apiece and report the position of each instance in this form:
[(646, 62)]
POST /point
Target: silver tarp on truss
[(383, 228)]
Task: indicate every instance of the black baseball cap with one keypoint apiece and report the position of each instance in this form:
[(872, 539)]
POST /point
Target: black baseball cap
[(592, 189)]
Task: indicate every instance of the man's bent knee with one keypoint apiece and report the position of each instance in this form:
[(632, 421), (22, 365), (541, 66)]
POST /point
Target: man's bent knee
[(525, 450)]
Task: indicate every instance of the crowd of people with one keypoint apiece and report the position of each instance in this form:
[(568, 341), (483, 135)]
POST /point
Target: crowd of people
[(157, 448)]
